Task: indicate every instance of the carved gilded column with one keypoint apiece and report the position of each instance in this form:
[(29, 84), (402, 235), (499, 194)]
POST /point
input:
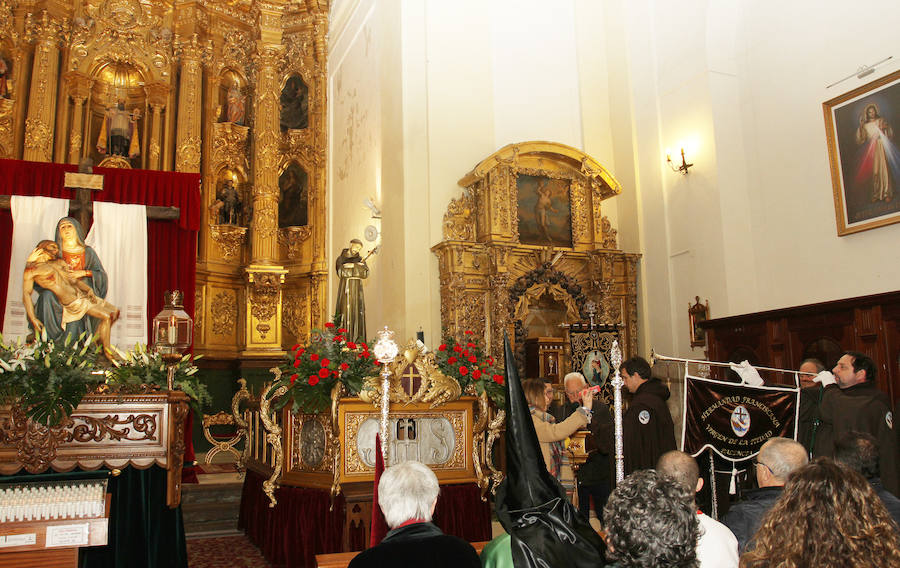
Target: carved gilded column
[(157, 95), (266, 136), (187, 146), (265, 280), (79, 86), (42, 97)]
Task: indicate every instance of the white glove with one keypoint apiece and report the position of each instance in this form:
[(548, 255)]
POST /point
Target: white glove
[(748, 374), (825, 378)]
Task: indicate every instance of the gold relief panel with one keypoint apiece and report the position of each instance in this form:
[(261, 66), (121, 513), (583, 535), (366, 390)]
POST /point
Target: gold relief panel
[(294, 317), (188, 155), (229, 240), (292, 238), (7, 141), (37, 137), (229, 146), (223, 314), (459, 220), (440, 438), (312, 451)]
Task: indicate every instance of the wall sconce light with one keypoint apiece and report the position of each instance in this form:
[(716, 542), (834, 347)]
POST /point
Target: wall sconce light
[(683, 168)]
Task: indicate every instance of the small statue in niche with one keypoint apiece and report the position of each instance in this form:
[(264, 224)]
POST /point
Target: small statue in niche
[(293, 197), (229, 212), (294, 104), (4, 73), (118, 135), (235, 108)]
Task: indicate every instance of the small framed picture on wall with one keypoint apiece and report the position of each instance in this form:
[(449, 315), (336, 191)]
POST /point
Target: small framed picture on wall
[(698, 313), (862, 128)]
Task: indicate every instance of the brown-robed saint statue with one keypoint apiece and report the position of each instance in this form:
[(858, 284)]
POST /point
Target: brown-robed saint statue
[(352, 270)]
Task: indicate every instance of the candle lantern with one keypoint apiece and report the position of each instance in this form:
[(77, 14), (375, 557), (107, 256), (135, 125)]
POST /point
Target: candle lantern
[(172, 331)]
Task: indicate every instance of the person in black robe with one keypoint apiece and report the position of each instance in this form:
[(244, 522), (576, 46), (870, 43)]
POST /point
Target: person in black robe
[(407, 495), (856, 403), (647, 428)]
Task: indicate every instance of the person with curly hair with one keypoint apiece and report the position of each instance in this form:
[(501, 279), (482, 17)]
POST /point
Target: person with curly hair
[(650, 521), (827, 516)]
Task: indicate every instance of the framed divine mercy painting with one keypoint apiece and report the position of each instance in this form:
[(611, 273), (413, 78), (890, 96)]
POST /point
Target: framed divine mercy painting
[(862, 127)]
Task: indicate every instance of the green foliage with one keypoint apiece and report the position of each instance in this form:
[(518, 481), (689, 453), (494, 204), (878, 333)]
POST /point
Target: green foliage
[(310, 372), (141, 368), (48, 378), (466, 362)]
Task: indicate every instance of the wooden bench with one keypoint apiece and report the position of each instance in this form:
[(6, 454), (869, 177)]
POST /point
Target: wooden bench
[(342, 559)]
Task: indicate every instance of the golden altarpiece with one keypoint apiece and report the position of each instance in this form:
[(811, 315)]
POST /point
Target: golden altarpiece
[(231, 89), (526, 251)]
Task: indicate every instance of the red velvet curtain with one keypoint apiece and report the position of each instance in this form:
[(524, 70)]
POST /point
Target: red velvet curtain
[(301, 525), (172, 246)]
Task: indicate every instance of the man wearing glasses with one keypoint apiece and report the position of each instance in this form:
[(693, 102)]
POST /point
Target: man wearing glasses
[(776, 460)]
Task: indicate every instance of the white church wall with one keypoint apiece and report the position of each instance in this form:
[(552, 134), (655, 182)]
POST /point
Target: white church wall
[(784, 70), (355, 143), (752, 226)]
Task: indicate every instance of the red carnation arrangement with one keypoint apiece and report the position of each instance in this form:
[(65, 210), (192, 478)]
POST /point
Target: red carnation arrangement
[(326, 360), (466, 362)]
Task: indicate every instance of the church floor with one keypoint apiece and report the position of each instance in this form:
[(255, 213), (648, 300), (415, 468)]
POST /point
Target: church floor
[(224, 552)]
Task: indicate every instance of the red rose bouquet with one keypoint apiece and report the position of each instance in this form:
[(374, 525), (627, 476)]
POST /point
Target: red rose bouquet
[(311, 371), (466, 362)]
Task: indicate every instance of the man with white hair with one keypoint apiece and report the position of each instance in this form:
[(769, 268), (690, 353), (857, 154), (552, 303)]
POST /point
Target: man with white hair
[(407, 495), (777, 459), (595, 475)]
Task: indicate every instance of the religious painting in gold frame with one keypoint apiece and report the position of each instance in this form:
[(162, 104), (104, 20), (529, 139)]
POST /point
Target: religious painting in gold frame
[(698, 313), (861, 127), (545, 214)]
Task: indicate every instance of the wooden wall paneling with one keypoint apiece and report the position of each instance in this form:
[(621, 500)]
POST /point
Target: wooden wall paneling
[(781, 338)]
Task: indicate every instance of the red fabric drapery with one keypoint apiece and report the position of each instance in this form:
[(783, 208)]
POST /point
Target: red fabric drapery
[(301, 524), (172, 246)]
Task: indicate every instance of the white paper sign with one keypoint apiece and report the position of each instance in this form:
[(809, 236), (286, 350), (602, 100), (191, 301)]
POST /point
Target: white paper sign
[(17, 540), (67, 535)]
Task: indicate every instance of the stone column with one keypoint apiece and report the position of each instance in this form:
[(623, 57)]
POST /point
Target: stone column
[(45, 32), (79, 86), (157, 95), (187, 145)]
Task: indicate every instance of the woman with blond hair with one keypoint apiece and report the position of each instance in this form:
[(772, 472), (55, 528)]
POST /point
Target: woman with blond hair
[(549, 433), (827, 516)]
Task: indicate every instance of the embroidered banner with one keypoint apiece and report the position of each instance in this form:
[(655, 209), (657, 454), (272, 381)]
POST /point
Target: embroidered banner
[(735, 419)]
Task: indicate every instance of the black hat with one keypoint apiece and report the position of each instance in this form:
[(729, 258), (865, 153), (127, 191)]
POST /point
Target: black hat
[(531, 505)]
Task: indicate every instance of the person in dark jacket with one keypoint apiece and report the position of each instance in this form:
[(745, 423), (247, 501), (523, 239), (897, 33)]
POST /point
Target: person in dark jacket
[(647, 428), (407, 494), (777, 459), (811, 394), (859, 452), (594, 475), (856, 403)]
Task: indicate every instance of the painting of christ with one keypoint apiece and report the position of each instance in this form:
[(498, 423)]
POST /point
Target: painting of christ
[(545, 216), (864, 150)]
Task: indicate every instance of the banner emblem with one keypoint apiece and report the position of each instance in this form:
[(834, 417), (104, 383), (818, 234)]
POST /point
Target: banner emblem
[(740, 421)]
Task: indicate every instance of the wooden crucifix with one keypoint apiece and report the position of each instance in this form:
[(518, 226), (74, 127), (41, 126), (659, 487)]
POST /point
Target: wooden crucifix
[(82, 207)]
